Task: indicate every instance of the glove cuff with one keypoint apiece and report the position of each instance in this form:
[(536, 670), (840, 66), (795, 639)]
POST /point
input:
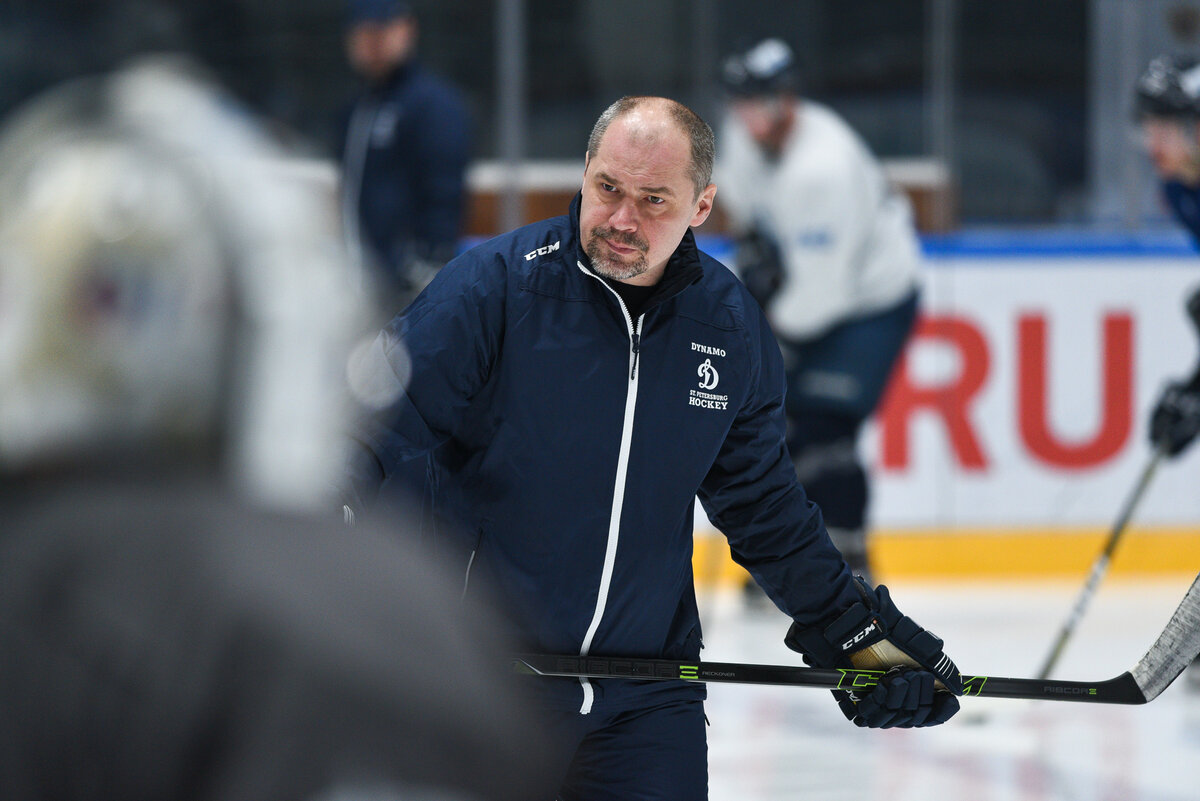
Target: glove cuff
[(830, 647), (865, 624)]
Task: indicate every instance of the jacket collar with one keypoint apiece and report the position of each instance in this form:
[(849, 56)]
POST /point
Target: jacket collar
[(402, 74), (683, 268)]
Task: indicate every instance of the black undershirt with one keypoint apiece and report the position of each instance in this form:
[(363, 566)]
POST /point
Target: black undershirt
[(634, 295)]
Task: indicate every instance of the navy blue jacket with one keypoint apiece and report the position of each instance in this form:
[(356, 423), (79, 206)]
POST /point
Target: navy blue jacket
[(1184, 201), (404, 159), (575, 441)]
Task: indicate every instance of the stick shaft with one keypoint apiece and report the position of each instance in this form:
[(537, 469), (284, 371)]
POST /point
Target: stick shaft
[(1119, 690), (1174, 648), (1099, 568)]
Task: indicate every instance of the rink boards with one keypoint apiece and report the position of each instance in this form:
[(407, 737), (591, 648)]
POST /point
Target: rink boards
[(1015, 426)]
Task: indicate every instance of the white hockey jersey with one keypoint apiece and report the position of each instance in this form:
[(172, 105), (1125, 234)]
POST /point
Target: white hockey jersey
[(846, 237)]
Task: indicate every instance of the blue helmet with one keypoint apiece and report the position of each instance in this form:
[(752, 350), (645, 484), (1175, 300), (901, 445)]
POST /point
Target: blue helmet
[(767, 68)]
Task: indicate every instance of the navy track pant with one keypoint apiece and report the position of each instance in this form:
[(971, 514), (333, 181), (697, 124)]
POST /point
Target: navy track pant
[(655, 754)]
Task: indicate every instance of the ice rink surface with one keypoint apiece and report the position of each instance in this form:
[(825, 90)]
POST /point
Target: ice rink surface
[(774, 743)]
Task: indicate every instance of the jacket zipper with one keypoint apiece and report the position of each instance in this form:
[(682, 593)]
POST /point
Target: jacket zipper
[(633, 328), (635, 339)]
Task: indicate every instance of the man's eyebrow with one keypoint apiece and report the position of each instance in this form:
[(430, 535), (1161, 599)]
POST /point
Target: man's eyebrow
[(650, 190)]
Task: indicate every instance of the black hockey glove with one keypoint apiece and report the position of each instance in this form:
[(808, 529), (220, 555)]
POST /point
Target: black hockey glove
[(920, 686), (759, 265), (904, 698), (1175, 421)]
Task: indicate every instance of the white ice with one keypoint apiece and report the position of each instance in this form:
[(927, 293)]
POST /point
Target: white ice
[(774, 743)]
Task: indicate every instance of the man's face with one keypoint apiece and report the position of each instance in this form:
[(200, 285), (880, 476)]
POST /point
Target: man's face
[(376, 48), (767, 119), (1173, 148), (638, 199)]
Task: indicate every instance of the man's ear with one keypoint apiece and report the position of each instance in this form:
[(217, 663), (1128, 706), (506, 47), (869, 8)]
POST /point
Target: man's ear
[(704, 205)]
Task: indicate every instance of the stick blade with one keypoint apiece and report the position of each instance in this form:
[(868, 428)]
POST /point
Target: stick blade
[(1175, 648), (522, 667)]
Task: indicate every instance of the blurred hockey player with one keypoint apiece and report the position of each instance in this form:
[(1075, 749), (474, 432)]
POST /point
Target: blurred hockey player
[(179, 619), (829, 251), (404, 155), (1167, 100)]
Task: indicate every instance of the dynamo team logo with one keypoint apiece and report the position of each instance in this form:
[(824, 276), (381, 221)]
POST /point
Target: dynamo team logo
[(708, 375)]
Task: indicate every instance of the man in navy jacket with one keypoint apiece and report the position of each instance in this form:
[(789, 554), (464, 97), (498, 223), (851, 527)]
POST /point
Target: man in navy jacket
[(404, 154), (583, 380)]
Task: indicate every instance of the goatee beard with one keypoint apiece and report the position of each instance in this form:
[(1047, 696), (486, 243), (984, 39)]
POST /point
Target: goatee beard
[(609, 267)]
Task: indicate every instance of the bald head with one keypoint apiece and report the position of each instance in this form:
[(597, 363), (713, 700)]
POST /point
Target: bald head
[(649, 119)]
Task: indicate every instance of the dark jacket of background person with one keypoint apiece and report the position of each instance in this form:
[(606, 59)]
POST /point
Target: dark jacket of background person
[(404, 157)]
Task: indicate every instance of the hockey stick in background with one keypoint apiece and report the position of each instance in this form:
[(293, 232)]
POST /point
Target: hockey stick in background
[(1175, 648), (1100, 566)]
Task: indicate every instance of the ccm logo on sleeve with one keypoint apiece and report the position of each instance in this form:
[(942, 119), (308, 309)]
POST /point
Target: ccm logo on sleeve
[(542, 251)]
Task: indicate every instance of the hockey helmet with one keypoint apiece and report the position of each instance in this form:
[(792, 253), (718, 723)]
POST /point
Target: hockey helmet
[(1169, 87), (767, 68)]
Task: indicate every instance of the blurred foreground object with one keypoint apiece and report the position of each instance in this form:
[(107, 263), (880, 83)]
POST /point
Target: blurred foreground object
[(175, 320), (156, 251)]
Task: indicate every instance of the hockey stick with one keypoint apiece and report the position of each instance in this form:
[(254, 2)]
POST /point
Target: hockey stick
[(1175, 648), (1100, 566)]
